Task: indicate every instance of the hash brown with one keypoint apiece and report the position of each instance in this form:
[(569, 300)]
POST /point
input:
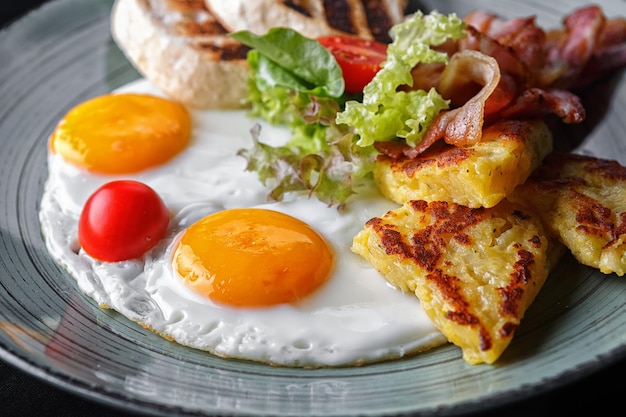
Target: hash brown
[(475, 271)]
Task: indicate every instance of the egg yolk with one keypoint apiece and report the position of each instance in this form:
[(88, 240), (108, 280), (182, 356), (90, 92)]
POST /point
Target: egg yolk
[(252, 258), (122, 133)]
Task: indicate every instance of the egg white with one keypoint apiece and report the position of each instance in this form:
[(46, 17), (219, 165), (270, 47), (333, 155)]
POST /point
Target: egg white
[(355, 318)]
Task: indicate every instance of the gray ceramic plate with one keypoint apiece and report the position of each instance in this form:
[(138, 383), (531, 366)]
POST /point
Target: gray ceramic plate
[(63, 54)]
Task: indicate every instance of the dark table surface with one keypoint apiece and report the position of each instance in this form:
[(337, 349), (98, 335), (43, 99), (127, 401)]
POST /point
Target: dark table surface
[(24, 395), (600, 394)]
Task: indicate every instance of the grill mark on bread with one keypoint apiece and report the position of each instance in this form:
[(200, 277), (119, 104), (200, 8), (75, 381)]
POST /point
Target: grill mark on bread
[(378, 21), (339, 15), (191, 19), (228, 52), (189, 27), (183, 49), (185, 6), (297, 7), (367, 19)]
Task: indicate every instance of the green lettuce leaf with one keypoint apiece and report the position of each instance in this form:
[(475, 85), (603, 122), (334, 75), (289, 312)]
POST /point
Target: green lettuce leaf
[(294, 81), (285, 169), (283, 57), (386, 113)]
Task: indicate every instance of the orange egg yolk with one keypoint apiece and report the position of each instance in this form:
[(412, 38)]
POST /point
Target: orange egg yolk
[(252, 258), (122, 133)]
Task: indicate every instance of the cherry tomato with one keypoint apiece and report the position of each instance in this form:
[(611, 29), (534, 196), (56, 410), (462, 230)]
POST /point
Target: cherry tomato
[(122, 220), (358, 58)]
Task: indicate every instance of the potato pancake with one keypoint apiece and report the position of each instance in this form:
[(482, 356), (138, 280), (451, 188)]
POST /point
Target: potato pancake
[(582, 200), (475, 270), (480, 175)]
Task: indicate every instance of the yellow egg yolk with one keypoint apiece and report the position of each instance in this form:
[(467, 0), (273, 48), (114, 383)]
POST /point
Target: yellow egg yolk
[(122, 133), (252, 258)]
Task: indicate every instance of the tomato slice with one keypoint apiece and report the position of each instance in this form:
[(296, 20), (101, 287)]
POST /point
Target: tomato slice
[(359, 59), (122, 220)]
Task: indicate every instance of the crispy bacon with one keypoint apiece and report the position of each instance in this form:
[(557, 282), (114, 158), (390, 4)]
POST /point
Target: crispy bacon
[(463, 125), (576, 43), (601, 64), (508, 60), (520, 40), (537, 102), (608, 54), (559, 58), (536, 73)]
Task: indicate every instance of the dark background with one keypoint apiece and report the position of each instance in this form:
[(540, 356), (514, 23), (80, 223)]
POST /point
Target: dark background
[(24, 395), (11, 10)]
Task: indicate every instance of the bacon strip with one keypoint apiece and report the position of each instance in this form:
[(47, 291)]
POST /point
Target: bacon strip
[(520, 40), (514, 69), (576, 46), (508, 60), (536, 102), (463, 125)]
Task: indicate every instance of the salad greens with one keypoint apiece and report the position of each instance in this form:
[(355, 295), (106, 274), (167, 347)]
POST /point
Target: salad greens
[(284, 58), (386, 113), (296, 82)]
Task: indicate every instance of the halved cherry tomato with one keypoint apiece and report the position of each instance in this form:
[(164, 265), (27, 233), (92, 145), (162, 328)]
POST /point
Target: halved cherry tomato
[(122, 220), (358, 58)]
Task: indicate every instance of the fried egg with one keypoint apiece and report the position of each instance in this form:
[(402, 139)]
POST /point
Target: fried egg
[(216, 280)]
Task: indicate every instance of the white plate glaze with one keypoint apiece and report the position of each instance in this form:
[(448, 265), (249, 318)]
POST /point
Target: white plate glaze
[(62, 55)]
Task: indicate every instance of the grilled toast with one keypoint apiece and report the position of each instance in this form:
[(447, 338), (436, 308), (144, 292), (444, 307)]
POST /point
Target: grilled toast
[(475, 271), (582, 201), (181, 48), (370, 19)]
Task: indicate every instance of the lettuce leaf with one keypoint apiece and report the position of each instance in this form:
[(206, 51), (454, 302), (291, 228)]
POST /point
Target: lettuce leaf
[(284, 58), (296, 82), (285, 169), (386, 113)]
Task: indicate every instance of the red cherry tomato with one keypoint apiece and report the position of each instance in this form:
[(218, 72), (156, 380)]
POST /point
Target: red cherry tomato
[(358, 58), (122, 220)]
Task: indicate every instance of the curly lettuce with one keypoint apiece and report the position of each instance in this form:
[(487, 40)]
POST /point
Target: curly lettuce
[(296, 82), (385, 112)]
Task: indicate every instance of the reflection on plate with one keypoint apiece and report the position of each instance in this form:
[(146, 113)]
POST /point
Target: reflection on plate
[(62, 55)]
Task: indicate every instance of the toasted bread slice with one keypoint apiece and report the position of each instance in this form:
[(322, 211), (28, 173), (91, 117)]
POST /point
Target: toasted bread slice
[(480, 175), (370, 19), (582, 200), (475, 271), (181, 48)]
